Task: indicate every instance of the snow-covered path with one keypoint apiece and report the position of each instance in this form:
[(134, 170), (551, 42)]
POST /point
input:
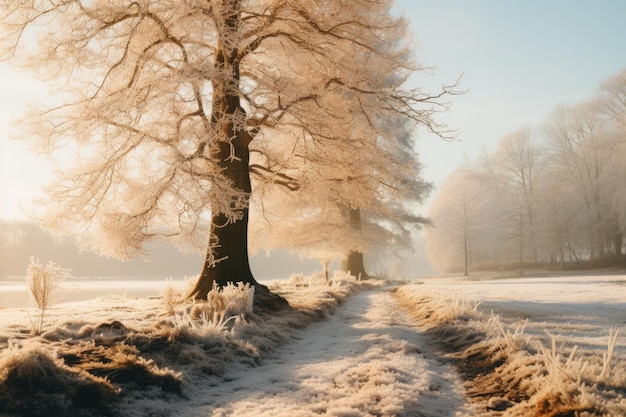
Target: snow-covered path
[(366, 360)]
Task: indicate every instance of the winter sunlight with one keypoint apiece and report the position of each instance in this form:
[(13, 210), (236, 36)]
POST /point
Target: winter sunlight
[(401, 349), (299, 208)]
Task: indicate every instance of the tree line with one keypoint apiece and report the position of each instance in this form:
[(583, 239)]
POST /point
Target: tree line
[(552, 195), (19, 241)]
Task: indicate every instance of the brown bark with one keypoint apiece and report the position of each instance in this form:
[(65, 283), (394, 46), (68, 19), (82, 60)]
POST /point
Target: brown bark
[(227, 256), (229, 260), (354, 263)]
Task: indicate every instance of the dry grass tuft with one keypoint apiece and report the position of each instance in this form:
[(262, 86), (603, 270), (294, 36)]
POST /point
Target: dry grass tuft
[(42, 283), (123, 365), (509, 372), (33, 381)]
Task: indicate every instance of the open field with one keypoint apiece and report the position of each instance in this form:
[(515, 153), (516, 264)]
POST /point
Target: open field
[(541, 346), (435, 347)]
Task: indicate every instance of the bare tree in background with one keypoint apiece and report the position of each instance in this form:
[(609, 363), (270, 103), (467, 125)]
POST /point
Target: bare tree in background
[(169, 107), (582, 150), (366, 205), (612, 99), (556, 193), (519, 165), (459, 214)]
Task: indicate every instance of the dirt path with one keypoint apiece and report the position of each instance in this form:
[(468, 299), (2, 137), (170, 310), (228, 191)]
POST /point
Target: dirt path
[(366, 360)]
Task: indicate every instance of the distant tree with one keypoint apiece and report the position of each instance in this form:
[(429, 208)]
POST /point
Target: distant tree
[(612, 98), (583, 153), (459, 216), (170, 107), (350, 212), (558, 218), (516, 171), (555, 194), (387, 223), (488, 212), (611, 103)]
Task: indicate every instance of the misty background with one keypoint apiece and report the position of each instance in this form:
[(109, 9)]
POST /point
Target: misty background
[(22, 240)]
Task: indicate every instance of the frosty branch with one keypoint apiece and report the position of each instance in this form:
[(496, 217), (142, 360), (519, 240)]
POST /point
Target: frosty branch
[(169, 107)]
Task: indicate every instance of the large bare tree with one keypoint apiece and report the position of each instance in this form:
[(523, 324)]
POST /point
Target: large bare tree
[(170, 106)]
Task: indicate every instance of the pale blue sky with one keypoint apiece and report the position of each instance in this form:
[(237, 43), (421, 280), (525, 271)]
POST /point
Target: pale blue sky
[(519, 59)]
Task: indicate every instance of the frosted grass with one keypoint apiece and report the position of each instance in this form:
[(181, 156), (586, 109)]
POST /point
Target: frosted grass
[(525, 347)]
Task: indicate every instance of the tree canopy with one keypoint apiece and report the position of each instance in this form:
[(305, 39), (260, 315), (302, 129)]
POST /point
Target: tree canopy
[(170, 106)]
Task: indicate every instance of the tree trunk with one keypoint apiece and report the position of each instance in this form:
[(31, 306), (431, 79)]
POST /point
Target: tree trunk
[(465, 257), (354, 263), (617, 246), (521, 245), (227, 256)]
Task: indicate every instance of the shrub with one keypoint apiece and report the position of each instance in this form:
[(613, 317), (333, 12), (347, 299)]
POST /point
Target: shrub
[(222, 308), (42, 282)]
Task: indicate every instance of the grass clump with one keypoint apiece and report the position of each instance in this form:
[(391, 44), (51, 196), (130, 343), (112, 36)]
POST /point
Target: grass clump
[(508, 371), (42, 283), (35, 382), (223, 308)]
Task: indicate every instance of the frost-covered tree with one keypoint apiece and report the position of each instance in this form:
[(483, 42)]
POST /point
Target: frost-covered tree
[(516, 170), (386, 223), (460, 215), (612, 99), (583, 153), (365, 206), (555, 195), (488, 213), (170, 106), (611, 104), (558, 218)]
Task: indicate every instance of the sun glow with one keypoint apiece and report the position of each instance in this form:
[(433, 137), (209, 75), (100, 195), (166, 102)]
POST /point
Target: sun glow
[(22, 172)]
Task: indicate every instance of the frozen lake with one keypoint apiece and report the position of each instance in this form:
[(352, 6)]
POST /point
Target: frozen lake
[(13, 292)]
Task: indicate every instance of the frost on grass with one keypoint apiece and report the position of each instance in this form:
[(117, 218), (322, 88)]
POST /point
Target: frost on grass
[(35, 382), (42, 283), (122, 353), (510, 372)]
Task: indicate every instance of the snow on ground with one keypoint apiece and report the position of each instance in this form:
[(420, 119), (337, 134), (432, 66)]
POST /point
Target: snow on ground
[(366, 360), (435, 347), (543, 346), (577, 310)]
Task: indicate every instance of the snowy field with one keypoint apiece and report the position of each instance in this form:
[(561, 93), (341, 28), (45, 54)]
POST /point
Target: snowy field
[(541, 346), (380, 349), (13, 291), (577, 310)]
